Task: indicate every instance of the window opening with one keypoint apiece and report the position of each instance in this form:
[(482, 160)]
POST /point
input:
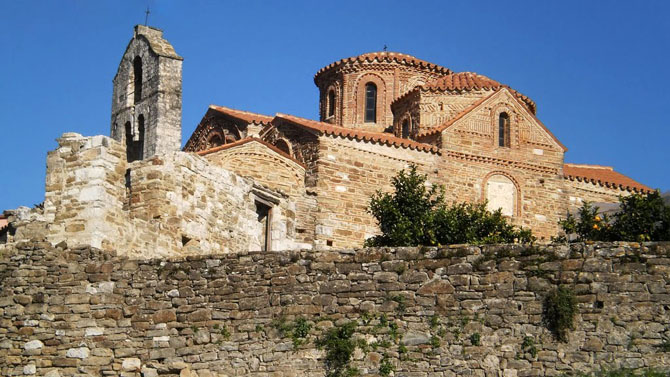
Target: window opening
[(371, 102), (331, 103), (263, 211), (405, 128), (139, 145), (503, 130), (137, 74)]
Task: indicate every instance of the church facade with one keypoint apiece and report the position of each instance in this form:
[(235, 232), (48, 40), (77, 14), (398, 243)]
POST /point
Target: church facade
[(380, 112), (248, 181)]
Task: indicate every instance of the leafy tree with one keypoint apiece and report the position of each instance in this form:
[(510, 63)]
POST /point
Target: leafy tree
[(641, 217), (416, 215)]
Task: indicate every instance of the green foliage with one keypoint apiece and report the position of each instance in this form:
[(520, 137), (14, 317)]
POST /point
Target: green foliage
[(641, 217), (402, 306), (560, 307), (665, 346), (297, 330), (416, 215), (406, 217), (225, 333), (528, 345), (435, 341), (385, 366), (434, 321), (339, 345), (475, 339)]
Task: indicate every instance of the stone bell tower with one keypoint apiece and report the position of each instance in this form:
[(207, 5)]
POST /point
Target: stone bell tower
[(146, 102)]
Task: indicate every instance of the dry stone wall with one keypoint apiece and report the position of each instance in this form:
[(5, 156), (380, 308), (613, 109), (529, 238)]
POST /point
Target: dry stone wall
[(174, 204), (460, 310)]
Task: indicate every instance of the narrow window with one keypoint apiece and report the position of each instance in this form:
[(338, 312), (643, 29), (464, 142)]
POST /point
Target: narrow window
[(331, 103), (129, 143), (137, 73), (140, 142), (405, 128), (263, 211), (503, 130), (371, 102)]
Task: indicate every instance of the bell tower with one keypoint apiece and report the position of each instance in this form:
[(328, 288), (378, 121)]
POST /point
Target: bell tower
[(146, 101)]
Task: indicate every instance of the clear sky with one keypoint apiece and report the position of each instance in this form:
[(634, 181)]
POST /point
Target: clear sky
[(598, 70)]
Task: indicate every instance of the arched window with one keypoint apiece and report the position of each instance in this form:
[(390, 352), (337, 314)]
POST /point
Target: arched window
[(137, 74), (331, 103), (371, 102), (503, 130), (405, 128), (283, 146)]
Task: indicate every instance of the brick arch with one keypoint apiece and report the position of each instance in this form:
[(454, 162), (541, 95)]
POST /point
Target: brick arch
[(284, 145), (360, 97), (336, 88), (515, 182)]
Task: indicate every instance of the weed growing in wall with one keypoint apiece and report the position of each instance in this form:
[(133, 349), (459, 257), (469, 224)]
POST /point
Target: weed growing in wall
[(559, 309), (339, 345), (297, 330)]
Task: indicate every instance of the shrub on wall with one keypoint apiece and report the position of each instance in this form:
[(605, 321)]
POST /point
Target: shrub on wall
[(415, 214), (559, 309), (641, 217)]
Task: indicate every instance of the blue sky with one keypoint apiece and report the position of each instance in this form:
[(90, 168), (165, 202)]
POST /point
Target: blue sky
[(598, 70)]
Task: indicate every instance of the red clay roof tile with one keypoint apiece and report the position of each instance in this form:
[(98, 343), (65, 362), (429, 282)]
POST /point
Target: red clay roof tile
[(246, 116), (388, 57), (602, 175), (376, 137), (467, 81)]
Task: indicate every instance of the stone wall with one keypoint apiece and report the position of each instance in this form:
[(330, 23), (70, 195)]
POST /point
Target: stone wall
[(349, 173), (461, 310), (173, 204)]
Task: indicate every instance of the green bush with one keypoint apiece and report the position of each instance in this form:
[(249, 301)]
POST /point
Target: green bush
[(560, 307), (641, 217), (339, 345), (416, 215)]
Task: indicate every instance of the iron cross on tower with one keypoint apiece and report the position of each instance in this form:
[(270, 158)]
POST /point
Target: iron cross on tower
[(146, 17)]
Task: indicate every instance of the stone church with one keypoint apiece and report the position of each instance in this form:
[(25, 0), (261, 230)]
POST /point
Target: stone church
[(247, 181)]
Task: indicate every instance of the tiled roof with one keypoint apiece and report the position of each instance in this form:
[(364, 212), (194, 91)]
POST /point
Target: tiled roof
[(244, 141), (602, 175), (388, 57), (375, 137), (245, 116), (467, 81)]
